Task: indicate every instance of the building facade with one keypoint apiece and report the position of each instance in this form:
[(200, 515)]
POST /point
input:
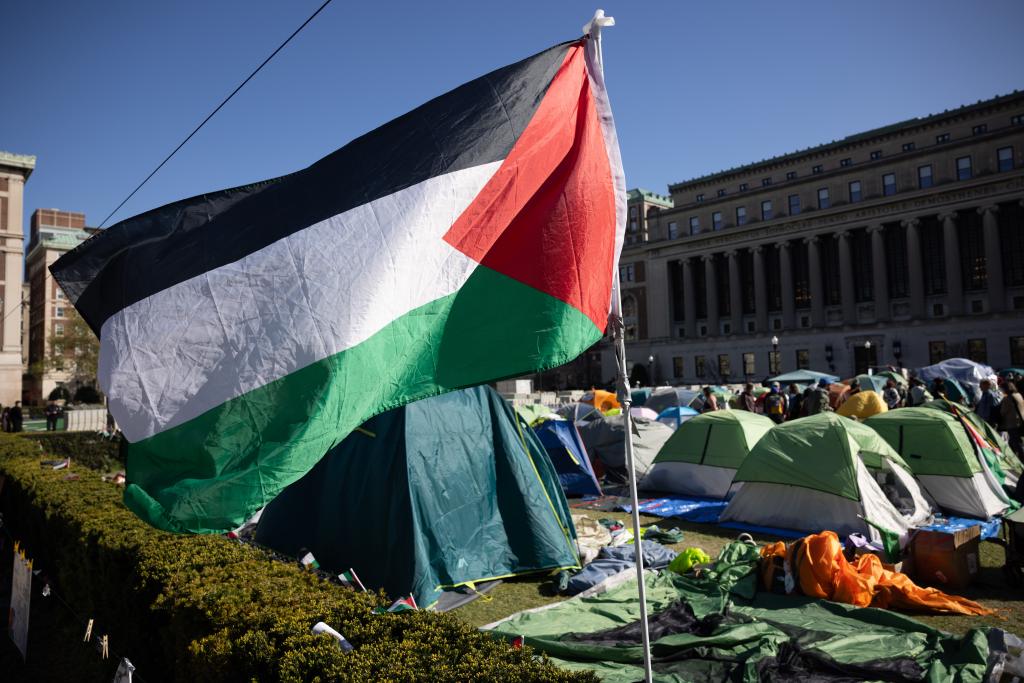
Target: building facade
[(898, 246), (14, 171), (52, 233)]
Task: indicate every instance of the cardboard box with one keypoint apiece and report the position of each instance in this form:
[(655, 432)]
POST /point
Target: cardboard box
[(946, 560)]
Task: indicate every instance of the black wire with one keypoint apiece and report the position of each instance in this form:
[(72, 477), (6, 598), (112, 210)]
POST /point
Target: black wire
[(233, 92)]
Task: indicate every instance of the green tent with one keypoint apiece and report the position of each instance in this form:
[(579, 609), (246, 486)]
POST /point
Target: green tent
[(535, 413), (1004, 463), (827, 472), (446, 491), (945, 459), (702, 456)]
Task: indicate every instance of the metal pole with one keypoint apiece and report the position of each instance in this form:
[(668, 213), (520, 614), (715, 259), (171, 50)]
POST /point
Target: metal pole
[(593, 30)]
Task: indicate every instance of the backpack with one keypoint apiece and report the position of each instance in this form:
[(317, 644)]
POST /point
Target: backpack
[(774, 405)]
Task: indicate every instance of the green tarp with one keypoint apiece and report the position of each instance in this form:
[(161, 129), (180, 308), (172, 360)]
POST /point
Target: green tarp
[(715, 628), (444, 491), (824, 446), (930, 441), (719, 439)]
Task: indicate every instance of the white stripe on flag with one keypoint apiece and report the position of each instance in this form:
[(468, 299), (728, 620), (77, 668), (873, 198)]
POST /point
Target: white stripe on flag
[(189, 348)]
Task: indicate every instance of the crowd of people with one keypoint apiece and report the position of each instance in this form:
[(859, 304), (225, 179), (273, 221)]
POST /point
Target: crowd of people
[(11, 417), (1001, 406)]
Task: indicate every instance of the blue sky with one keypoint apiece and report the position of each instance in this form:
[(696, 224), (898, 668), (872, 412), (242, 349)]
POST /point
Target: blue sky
[(102, 91)]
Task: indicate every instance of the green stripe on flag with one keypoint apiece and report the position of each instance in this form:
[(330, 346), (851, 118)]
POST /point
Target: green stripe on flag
[(213, 472)]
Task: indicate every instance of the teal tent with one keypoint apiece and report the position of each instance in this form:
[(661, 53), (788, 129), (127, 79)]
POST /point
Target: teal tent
[(443, 492)]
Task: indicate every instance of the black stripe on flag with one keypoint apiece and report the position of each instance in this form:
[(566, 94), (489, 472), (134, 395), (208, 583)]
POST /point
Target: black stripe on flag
[(474, 124)]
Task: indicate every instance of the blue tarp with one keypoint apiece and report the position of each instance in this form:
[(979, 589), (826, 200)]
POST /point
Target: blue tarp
[(565, 449)]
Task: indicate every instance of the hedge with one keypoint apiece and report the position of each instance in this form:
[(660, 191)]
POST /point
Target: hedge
[(187, 608), (89, 449)]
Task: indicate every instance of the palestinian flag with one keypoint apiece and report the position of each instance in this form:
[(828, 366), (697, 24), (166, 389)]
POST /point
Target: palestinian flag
[(349, 579), (400, 605), (245, 332)]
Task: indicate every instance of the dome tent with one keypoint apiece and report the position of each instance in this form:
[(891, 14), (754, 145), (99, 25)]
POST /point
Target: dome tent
[(605, 440), (826, 472), (663, 398), (1001, 459), (703, 455), (564, 446), (438, 493), (944, 459)]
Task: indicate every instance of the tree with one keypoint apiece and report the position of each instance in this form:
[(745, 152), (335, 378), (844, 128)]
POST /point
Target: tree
[(75, 351)]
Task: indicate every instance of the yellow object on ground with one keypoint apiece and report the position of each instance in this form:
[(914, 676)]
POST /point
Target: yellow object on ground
[(863, 405)]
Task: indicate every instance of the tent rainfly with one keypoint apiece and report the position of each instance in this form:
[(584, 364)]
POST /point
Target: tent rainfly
[(564, 446), (945, 459), (703, 455), (1005, 465), (605, 440), (671, 397), (828, 472), (802, 377), (443, 492)]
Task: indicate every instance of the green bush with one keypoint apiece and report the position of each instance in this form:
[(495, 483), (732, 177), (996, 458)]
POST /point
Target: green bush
[(88, 449), (189, 608)]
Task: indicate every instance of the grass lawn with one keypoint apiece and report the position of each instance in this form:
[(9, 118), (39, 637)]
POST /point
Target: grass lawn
[(990, 588)]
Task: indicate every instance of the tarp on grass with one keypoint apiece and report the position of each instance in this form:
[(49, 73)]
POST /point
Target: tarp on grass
[(719, 628)]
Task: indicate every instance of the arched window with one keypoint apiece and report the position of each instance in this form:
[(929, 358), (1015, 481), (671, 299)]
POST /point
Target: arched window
[(629, 319)]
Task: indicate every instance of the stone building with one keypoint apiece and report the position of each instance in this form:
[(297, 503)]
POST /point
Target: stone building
[(53, 232), (900, 246), (14, 171)]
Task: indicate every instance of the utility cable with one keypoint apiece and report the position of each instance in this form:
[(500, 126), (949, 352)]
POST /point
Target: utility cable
[(219, 106)]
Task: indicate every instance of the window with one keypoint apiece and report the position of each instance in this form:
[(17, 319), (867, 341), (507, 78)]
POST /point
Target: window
[(939, 139), (716, 220), (889, 184), (698, 366), (773, 362), (1017, 120), (627, 273), (791, 175), (933, 253), (971, 238), (723, 365), (845, 162), (908, 146), (897, 273), (765, 182), (877, 154), (823, 201), (700, 197), (748, 364), (1016, 350), (58, 330), (632, 226), (694, 225), (963, 168), (977, 350), (677, 366), (673, 230), (803, 359), (766, 210), (924, 176), (741, 215), (58, 312), (863, 274), (721, 193), (980, 129), (936, 352), (60, 294), (629, 317), (794, 204), (632, 211), (743, 187), (816, 169), (1004, 157), (855, 194), (801, 273)]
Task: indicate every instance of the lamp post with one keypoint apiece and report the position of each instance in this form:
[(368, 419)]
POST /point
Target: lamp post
[(774, 361), (650, 370), (867, 355)]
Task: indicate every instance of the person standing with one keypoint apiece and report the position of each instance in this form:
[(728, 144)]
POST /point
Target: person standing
[(16, 417), (793, 405), (5, 419), (710, 402), (747, 400), (988, 405), (52, 413), (918, 395), (775, 404), (891, 395), (819, 399), (1011, 411)]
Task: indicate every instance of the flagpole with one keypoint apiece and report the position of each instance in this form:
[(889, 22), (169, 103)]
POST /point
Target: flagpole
[(593, 30)]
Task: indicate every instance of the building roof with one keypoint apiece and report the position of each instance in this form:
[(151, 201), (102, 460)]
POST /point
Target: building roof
[(26, 162), (651, 197), (848, 140)]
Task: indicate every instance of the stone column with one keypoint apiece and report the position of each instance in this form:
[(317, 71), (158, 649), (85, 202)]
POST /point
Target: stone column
[(817, 289), (735, 295), (915, 269), (880, 272), (993, 258), (689, 301), (846, 279), (760, 291), (710, 282), (786, 273), (954, 276)]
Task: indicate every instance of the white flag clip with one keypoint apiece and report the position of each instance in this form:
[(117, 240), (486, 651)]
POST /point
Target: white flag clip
[(88, 632)]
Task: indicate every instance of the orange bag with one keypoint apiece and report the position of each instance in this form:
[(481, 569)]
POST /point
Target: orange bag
[(817, 565)]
